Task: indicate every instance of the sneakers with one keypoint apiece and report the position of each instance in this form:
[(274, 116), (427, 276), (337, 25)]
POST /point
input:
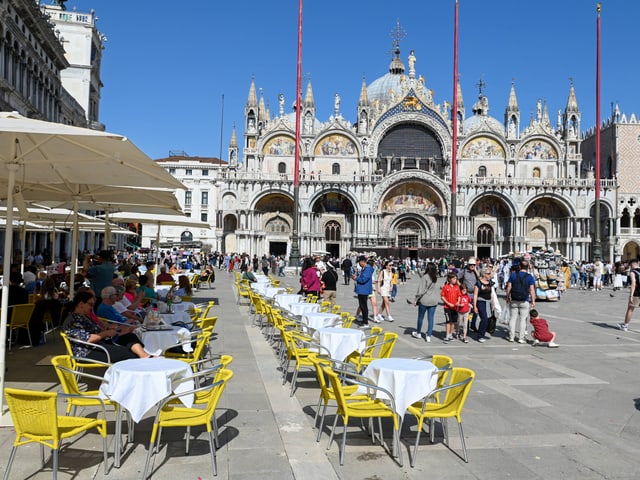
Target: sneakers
[(376, 319), (389, 318), (623, 326), (427, 338), (522, 340), (553, 345), (482, 340), (536, 342), (464, 339), (511, 339), (416, 334)]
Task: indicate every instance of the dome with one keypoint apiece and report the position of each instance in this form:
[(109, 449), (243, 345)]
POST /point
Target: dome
[(380, 88), (482, 122)]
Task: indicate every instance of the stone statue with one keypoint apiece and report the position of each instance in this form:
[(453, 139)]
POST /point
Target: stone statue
[(412, 64), (336, 104), (281, 102)]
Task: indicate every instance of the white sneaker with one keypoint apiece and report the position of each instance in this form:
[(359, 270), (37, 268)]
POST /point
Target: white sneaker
[(427, 338), (623, 326), (376, 319), (536, 342), (389, 318), (416, 334), (553, 345)]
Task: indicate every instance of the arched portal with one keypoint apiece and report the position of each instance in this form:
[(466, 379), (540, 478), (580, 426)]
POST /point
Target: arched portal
[(491, 222), (547, 225)]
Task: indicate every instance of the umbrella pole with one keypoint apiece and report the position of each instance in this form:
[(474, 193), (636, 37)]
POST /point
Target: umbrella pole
[(52, 240), (74, 248), (107, 230), (23, 241), (6, 272), (158, 251)]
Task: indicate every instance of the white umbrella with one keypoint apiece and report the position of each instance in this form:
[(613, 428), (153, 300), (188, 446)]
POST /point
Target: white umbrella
[(159, 221), (34, 153)]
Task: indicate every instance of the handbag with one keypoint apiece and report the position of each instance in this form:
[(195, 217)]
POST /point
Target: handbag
[(491, 325)]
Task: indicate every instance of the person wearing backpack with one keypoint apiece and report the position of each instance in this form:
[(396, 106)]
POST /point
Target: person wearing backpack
[(521, 297)]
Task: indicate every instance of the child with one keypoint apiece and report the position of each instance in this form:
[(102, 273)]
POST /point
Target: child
[(450, 295), (541, 331), (464, 306)]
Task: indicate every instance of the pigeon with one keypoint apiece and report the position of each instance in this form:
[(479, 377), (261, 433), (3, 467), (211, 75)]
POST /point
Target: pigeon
[(611, 295)]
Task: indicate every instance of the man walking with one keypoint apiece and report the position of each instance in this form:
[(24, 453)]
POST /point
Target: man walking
[(634, 295), (346, 269), (521, 296), (364, 288)]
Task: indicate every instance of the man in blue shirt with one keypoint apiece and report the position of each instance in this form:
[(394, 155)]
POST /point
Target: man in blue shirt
[(364, 288), (100, 274)]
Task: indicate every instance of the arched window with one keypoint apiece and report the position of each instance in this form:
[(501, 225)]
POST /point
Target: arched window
[(186, 236), (636, 218), (485, 235), (282, 167), (332, 231), (277, 225), (335, 169), (482, 171), (625, 220), (536, 172)]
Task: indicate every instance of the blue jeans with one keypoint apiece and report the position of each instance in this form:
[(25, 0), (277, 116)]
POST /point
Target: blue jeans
[(484, 319), (431, 315)]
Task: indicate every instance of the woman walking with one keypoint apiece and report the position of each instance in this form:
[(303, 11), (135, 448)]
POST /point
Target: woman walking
[(384, 289), (482, 296), (426, 298)]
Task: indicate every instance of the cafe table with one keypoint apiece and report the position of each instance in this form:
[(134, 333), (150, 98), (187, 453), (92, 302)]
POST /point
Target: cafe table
[(340, 342), (171, 318), (270, 292), (407, 379), (316, 320), (139, 384), (157, 340), (300, 308), (283, 300), (183, 307)]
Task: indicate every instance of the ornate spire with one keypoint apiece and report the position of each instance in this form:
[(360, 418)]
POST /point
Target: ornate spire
[(308, 98), (397, 67), (545, 114), (364, 95), (234, 138), (572, 102), (512, 105), (460, 101), (252, 100), (263, 113)]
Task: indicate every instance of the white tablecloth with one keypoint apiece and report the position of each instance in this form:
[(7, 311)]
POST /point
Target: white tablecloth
[(171, 318), (340, 342), (183, 307), (408, 380), (156, 341), (162, 291), (283, 300), (260, 288), (303, 307), (318, 320), (260, 278), (271, 292), (139, 384)]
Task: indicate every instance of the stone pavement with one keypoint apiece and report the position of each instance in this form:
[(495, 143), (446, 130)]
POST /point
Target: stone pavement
[(533, 412)]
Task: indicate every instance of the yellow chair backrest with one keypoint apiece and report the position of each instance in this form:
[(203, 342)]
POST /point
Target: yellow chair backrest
[(20, 315)]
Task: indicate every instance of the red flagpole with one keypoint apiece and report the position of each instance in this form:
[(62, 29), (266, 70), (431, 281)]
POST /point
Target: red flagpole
[(454, 141), (294, 255)]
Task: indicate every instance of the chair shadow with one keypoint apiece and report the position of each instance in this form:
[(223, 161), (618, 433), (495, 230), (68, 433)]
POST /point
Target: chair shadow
[(636, 401), (605, 325)]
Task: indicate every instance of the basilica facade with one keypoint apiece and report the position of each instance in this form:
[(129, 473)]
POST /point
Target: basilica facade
[(383, 183)]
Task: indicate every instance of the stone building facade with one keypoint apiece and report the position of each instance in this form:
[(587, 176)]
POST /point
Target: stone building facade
[(383, 182)]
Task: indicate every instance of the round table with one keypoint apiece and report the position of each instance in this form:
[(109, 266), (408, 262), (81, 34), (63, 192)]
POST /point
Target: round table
[(283, 300), (317, 320), (407, 379), (301, 308), (340, 342), (157, 341)]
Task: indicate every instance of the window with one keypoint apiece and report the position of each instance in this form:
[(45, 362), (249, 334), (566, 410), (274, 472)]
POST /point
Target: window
[(282, 167), (205, 198), (482, 171), (335, 169), (277, 225), (205, 172), (484, 235), (188, 171), (536, 172), (332, 231), (203, 217), (187, 198), (172, 171)]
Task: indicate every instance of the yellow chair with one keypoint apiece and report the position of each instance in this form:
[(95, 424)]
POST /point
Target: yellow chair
[(325, 306), (168, 283), (243, 292), (20, 317), (202, 342), (336, 309), (455, 396), (326, 392), (195, 281), (370, 408), (80, 364), (170, 415), (36, 420), (300, 348), (186, 298), (381, 349)]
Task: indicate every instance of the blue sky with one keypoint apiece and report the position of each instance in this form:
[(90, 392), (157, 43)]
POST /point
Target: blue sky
[(166, 64)]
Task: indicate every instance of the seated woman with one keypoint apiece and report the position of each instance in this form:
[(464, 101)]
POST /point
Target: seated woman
[(116, 339), (46, 302), (184, 287), (149, 292)]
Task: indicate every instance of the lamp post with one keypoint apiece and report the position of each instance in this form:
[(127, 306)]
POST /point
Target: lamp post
[(294, 257)]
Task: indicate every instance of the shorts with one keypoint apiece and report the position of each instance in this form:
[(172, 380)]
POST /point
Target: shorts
[(635, 301), (450, 316)]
